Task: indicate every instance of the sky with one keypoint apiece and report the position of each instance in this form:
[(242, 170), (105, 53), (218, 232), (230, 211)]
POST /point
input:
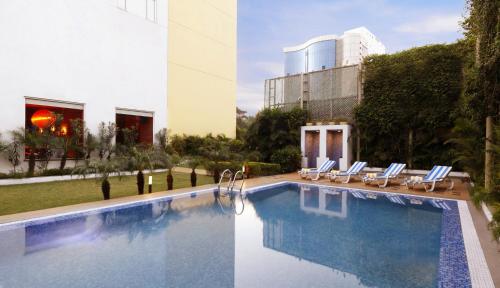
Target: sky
[(266, 26)]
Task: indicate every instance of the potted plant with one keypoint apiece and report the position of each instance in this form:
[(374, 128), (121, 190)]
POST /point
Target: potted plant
[(102, 171), (193, 164), (141, 159)]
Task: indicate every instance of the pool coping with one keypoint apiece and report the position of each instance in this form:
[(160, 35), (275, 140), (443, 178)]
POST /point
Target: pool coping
[(479, 271)]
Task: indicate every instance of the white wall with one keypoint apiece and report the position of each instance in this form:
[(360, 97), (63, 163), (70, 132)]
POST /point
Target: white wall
[(86, 51), (345, 161)]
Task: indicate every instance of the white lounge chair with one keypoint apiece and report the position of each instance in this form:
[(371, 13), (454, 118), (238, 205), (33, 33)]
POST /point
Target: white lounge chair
[(436, 175), (391, 172), (304, 172), (316, 174), (354, 170)]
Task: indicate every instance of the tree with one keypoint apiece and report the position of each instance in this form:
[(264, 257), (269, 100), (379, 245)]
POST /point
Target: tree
[(274, 129), (31, 141), (71, 142), (90, 144), (105, 136), (141, 159), (12, 151), (215, 150), (102, 170), (483, 27), (161, 139)]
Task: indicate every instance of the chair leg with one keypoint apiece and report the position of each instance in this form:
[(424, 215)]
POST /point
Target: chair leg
[(452, 184), (385, 183), (347, 179), (333, 178), (317, 177), (433, 185)]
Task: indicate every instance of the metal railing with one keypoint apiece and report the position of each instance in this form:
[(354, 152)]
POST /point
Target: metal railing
[(327, 109)]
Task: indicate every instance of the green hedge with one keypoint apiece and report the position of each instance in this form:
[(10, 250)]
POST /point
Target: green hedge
[(263, 169), (289, 158), (410, 105), (274, 129)]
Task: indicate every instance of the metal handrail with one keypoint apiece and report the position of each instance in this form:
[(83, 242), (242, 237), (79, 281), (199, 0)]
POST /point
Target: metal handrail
[(234, 181), (222, 177)]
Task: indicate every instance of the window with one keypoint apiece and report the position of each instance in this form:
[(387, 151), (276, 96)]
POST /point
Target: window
[(134, 126), (151, 10), (54, 118)]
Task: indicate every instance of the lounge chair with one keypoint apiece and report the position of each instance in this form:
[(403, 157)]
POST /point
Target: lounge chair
[(354, 170), (316, 174), (391, 172), (305, 171), (436, 175)]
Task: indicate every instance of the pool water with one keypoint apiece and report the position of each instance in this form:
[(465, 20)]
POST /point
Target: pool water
[(287, 236)]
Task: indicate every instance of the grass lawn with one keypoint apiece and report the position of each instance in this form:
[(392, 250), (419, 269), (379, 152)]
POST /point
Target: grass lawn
[(30, 197)]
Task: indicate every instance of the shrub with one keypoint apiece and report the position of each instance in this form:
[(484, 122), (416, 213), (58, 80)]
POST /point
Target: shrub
[(56, 172), (289, 158), (274, 129), (17, 175), (263, 169)]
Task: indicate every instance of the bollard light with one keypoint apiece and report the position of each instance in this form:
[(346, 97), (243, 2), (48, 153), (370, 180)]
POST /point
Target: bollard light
[(150, 186)]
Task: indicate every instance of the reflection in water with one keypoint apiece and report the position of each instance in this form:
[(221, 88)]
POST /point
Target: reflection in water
[(156, 245), (382, 244), (325, 201), (290, 236)]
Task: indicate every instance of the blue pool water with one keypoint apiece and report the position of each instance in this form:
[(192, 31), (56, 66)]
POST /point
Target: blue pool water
[(287, 236)]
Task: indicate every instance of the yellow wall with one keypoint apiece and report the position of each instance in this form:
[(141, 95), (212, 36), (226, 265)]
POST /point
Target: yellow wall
[(202, 67)]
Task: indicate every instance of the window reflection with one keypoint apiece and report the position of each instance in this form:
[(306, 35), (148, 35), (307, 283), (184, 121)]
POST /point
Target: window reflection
[(317, 56)]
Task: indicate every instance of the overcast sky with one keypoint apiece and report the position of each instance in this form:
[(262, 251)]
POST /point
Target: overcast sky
[(266, 26)]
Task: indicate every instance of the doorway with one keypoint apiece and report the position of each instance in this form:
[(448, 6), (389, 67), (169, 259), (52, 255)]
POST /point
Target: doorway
[(312, 148), (334, 146)]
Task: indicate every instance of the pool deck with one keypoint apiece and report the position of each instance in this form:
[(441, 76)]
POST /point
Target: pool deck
[(490, 248)]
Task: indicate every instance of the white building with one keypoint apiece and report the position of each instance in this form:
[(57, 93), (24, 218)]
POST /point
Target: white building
[(90, 59), (330, 51), (358, 43), (107, 61)]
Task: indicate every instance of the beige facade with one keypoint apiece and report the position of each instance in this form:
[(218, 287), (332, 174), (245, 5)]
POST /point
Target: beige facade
[(202, 67)]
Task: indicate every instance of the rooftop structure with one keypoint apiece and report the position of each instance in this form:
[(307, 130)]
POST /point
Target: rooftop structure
[(329, 51)]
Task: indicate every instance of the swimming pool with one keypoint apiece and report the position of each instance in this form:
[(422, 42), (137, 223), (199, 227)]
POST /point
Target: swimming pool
[(283, 235)]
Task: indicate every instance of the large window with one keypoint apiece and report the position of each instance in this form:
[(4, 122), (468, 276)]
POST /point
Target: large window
[(321, 55), (317, 56), (134, 126), (52, 119)]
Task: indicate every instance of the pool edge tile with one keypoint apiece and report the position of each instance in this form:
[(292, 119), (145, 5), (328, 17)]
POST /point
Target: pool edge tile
[(478, 268)]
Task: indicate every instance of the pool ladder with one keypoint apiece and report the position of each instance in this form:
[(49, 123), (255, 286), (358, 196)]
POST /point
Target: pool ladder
[(231, 193), (231, 181)]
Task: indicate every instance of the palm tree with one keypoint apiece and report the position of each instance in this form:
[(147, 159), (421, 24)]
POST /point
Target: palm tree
[(193, 163), (102, 170), (72, 142), (141, 159), (32, 141)]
